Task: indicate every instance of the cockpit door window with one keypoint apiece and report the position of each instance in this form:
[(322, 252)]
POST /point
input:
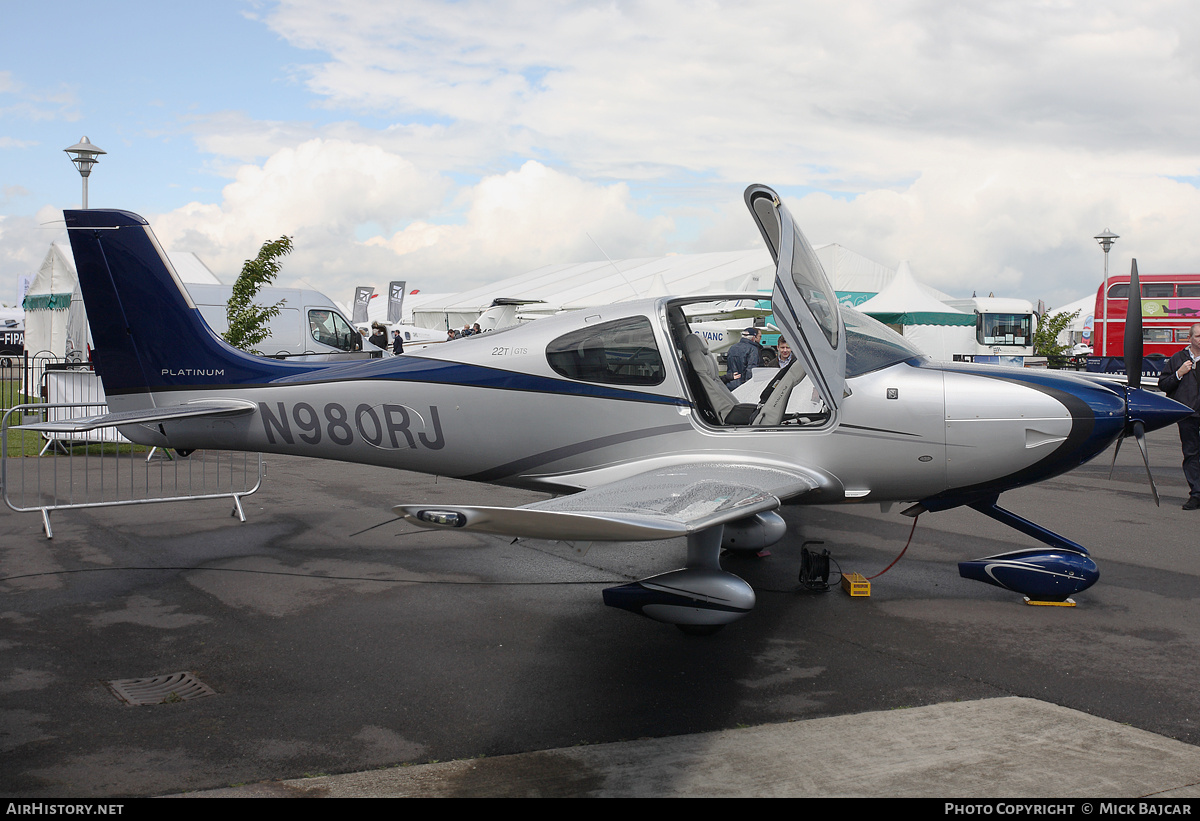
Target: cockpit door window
[(803, 301)]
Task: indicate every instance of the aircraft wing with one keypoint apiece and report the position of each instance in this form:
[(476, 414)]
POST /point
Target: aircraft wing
[(205, 407), (659, 504)]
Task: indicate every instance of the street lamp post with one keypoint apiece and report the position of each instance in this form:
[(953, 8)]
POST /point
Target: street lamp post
[(84, 155), (1106, 240)]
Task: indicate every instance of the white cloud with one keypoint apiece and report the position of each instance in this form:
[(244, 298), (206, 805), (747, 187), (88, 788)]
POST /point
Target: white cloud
[(806, 91), (1016, 223), (985, 144), (524, 219), (27, 105), (319, 192), (324, 193)]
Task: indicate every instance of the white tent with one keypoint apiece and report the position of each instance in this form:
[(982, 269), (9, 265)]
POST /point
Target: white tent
[(192, 269), (857, 278), (932, 326), (570, 286), (48, 301)]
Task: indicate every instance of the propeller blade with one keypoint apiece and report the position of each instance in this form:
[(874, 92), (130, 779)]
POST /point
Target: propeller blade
[(1116, 450), (1133, 331), (1139, 432)]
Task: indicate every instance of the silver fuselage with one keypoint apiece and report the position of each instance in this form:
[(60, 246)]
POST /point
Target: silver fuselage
[(491, 408)]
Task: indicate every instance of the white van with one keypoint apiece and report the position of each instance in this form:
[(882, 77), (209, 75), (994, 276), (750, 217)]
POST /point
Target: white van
[(308, 327)]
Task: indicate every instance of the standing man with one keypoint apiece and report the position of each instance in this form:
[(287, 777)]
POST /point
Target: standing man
[(1181, 381), (743, 358), (397, 343)]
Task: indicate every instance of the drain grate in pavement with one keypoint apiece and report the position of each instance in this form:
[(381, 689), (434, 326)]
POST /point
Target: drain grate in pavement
[(167, 689)]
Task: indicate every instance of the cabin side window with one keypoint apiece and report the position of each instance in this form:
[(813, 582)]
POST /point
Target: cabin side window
[(622, 352)]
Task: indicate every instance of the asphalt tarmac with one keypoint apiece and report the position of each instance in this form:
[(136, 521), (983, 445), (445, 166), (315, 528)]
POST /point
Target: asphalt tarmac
[(489, 667)]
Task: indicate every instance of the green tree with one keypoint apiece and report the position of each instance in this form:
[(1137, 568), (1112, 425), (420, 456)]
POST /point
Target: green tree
[(249, 323), (1045, 339)]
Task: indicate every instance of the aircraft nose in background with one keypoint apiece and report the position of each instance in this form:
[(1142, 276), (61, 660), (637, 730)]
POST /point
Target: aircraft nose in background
[(1155, 410)]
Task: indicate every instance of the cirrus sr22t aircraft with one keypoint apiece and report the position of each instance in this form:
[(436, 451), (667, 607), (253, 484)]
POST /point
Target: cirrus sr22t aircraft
[(620, 411)]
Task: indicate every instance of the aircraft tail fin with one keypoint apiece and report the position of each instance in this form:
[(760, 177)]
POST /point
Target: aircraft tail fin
[(148, 333)]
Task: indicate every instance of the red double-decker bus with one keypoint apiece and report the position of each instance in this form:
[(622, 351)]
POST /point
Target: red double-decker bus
[(1170, 306)]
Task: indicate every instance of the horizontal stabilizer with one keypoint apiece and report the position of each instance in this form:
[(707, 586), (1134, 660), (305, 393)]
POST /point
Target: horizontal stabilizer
[(206, 407), (661, 504)]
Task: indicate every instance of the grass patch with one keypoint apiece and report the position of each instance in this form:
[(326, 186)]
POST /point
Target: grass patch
[(23, 443), (11, 396), (20, 442), (30, 443)]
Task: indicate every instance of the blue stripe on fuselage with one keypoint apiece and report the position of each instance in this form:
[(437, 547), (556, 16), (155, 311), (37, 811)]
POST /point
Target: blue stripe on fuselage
[(439, 372), (429, 371)]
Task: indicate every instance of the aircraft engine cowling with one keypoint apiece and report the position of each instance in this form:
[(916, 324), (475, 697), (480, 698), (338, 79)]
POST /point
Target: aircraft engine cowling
[(754, 533)]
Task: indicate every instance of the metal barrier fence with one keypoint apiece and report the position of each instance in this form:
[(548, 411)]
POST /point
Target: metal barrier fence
[(23, 379), (102, 472), (66, 389)]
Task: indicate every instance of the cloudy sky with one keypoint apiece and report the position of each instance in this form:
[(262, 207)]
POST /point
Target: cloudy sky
[(452, 143)]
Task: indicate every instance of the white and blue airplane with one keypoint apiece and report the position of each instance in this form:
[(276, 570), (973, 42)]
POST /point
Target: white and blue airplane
[(620, 411)]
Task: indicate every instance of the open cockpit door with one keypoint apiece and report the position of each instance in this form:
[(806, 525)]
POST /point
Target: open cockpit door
[(803, 300)]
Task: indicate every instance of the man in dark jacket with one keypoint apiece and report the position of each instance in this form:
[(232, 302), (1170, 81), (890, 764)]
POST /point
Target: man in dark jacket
[(378, 336), (1181, 381), (743, 358)]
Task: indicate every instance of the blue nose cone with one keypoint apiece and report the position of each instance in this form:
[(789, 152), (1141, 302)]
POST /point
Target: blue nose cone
[(1153, 409)]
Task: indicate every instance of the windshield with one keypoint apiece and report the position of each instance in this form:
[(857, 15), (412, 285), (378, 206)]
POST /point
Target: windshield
[(871, 345)]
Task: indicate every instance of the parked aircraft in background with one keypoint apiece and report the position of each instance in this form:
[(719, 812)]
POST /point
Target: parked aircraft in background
[(621, 410)]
